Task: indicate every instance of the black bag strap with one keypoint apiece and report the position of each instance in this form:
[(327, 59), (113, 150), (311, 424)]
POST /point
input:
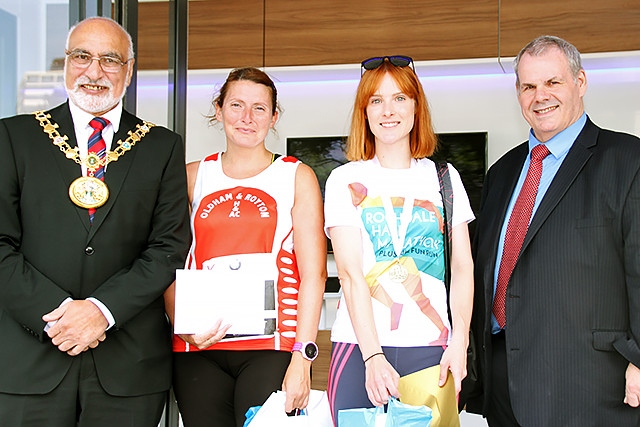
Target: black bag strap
[(446, 190), (447, 200)]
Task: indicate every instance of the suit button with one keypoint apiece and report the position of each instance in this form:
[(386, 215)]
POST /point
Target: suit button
[(89, 250)]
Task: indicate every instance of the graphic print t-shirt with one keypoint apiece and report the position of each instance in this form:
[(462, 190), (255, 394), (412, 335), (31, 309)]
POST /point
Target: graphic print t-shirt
[(413, 311), (248, 216)]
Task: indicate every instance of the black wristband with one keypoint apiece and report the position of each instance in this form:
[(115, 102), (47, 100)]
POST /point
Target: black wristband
[(373, 355)]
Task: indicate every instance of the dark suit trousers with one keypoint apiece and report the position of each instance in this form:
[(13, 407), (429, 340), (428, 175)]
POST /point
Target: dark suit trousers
[(500, 413), (79, 400)]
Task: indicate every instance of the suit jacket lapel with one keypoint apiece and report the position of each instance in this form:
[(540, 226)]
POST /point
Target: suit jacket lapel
[(577, 157), (508, 181), (116, 171), (69, 170)]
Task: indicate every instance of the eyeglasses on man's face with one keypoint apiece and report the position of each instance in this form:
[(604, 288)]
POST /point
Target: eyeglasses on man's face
[(377, 61), (108, 63)]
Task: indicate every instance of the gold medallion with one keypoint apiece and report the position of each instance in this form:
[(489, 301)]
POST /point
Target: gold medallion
[(88, 192), (398, 273)]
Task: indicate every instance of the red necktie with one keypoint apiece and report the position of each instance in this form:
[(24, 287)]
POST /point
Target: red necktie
[(97, 146), (517, 229)]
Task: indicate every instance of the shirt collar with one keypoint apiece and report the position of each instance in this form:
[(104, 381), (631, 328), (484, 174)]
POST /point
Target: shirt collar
[(81, 118), (560, 144)]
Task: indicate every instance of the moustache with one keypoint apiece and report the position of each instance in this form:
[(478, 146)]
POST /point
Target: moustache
[(84, 80)]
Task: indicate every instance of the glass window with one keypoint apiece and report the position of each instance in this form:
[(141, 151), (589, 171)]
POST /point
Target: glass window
[(32, 38)]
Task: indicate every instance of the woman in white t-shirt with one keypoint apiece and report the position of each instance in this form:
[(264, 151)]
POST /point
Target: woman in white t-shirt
[(384, 215)]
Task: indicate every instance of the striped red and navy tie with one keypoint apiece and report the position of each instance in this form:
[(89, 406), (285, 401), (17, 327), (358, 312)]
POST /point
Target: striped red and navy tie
[(97, 146)]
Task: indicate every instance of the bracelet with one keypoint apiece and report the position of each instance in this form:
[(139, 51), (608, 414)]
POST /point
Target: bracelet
[(373, 355)]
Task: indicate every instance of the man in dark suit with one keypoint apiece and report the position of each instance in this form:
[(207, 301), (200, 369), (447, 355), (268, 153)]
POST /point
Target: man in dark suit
[(557, 299), (84, 262)]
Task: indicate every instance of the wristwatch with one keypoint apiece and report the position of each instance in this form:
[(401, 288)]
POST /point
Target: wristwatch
[(308, 349)]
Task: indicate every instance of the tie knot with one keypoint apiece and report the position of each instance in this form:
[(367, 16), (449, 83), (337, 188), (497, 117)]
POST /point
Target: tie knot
[(539, 152), (98, 123)]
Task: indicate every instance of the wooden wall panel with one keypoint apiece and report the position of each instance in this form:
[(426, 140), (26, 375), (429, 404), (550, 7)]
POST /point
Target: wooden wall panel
[(225, 33), (592, 26), (338, 31), (231, 33), (222, 34), (153, 36), (320, 367)]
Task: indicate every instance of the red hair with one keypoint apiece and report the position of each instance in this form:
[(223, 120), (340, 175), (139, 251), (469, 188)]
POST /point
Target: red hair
[(361, 141)]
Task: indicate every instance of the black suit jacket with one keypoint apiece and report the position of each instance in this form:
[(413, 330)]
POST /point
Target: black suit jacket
[(126, 259), (573, 301)]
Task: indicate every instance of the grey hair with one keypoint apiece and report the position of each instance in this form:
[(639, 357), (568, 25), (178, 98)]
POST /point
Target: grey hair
[(540, 44), (130, 52)]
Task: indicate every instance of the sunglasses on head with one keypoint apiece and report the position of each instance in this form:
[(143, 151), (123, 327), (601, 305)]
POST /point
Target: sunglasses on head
[(396, 60)]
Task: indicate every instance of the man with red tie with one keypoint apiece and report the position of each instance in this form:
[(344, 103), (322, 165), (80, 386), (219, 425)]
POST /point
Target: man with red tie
[(557, 261), (93, 224)]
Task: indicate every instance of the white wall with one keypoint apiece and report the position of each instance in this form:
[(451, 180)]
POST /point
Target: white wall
[(469, 95), (473, 95)]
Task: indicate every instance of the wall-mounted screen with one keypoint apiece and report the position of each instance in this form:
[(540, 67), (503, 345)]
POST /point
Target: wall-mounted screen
[(467, 152), (322, 153)]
